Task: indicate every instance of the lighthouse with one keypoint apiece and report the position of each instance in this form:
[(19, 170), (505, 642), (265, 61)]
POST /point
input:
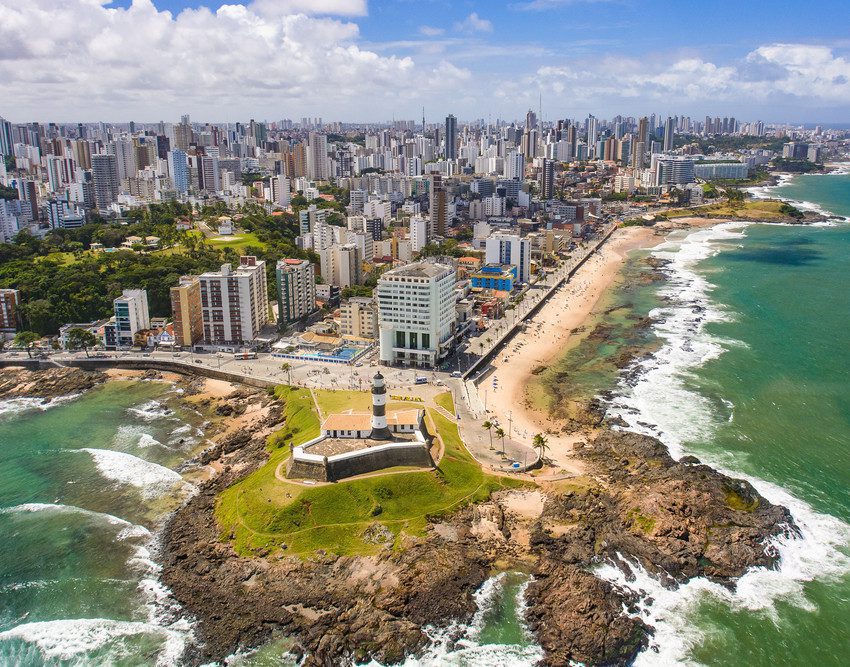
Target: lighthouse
[(379, 409)]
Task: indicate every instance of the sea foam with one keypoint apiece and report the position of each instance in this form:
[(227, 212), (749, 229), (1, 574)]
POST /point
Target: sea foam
[(75, 640), (127, 530), (660, 403), (151, 478), (460, 645), (11, 407)]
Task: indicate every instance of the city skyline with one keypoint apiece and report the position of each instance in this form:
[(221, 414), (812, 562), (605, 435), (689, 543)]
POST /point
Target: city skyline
[(359, 61)]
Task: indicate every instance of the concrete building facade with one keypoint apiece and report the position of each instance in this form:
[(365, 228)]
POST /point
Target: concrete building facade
[(416, 314)]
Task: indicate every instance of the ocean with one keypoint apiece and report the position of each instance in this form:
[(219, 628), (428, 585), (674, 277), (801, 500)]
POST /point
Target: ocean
[(84, 483), (753, 381), (752, 377)]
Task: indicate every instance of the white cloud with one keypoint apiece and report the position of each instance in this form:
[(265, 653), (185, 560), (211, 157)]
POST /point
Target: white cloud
[(332, 7), (798, 76), (79, 59), (430, 31), (474, 23)]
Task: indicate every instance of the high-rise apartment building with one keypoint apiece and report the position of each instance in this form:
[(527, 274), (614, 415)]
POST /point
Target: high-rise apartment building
[(547, 180), (187, 311), (669, 127), (673, 170), (178, 170), (280, 191), (339, 264), (438, 207), (9, 310), (209, 174), (317, 157), (451, 137), (131, 316), (235, 302), (515, 165), (296, 290), (418, 232), (641, 143), (416, 314), (106, 183)]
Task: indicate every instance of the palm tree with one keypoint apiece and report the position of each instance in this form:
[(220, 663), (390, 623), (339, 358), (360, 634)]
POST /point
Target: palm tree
[(500, 433), (480, 347), (287, 368), (541, 443), (488, 426)]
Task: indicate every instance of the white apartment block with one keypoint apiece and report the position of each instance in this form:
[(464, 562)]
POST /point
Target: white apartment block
[(416, 314), (131, 316), (419, 232), (235, 302), (503, 248), (339, 264)]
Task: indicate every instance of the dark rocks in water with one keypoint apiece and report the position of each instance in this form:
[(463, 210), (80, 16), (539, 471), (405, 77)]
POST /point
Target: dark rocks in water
[(47, 383), (690, 460), (579, 618), (676, 519)]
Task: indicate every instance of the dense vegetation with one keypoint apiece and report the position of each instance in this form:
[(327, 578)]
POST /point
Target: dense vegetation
[(62, 282), (723, 143), (7, 192)]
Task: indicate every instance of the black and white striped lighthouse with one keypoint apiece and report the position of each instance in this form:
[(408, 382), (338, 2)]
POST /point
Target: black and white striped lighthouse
[(379, 409)]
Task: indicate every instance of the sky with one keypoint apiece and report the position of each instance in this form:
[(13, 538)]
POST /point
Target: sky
[(378, 60)]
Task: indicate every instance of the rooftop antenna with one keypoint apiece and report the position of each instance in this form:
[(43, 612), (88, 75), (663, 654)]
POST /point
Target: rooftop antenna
[(540, 112)]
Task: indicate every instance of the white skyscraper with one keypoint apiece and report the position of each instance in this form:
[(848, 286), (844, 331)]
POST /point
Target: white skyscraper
[(515, 165), (281, 193), (418, 232), (416, 314), (235, 302)]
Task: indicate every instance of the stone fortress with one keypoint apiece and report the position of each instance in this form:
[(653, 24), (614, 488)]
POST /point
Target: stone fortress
[(355, 443)]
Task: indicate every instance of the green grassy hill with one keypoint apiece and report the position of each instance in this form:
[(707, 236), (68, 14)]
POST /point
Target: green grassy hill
[(262, 513)]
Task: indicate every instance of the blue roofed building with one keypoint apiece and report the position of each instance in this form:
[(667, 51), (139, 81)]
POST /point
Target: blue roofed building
[(500, 277)]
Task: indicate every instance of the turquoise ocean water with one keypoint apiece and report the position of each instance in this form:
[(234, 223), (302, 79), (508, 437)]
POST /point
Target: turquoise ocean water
[(756, 381), (84, 483), (754, 378)]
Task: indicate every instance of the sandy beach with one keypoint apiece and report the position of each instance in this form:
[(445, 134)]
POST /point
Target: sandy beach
[(548, 333)]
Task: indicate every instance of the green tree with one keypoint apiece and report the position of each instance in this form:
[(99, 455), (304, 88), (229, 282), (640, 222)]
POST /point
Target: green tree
[(488, 426), (81, 338), (287, 368), (26, 339), (541, 444)]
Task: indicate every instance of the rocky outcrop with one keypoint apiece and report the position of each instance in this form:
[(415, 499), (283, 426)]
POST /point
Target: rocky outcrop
[(50, 383), (677, 519)]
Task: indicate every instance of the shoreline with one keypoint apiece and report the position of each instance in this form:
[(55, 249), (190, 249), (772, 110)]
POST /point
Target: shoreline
[(552, 332), (376, 607)]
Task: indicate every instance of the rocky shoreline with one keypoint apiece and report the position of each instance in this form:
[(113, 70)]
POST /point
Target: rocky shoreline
[(17, 382), (677, 519)]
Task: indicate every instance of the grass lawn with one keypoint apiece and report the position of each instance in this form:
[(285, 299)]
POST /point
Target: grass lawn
[(262, 512), (445, 401), (759, 209), (61, 258), (237, 241)]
